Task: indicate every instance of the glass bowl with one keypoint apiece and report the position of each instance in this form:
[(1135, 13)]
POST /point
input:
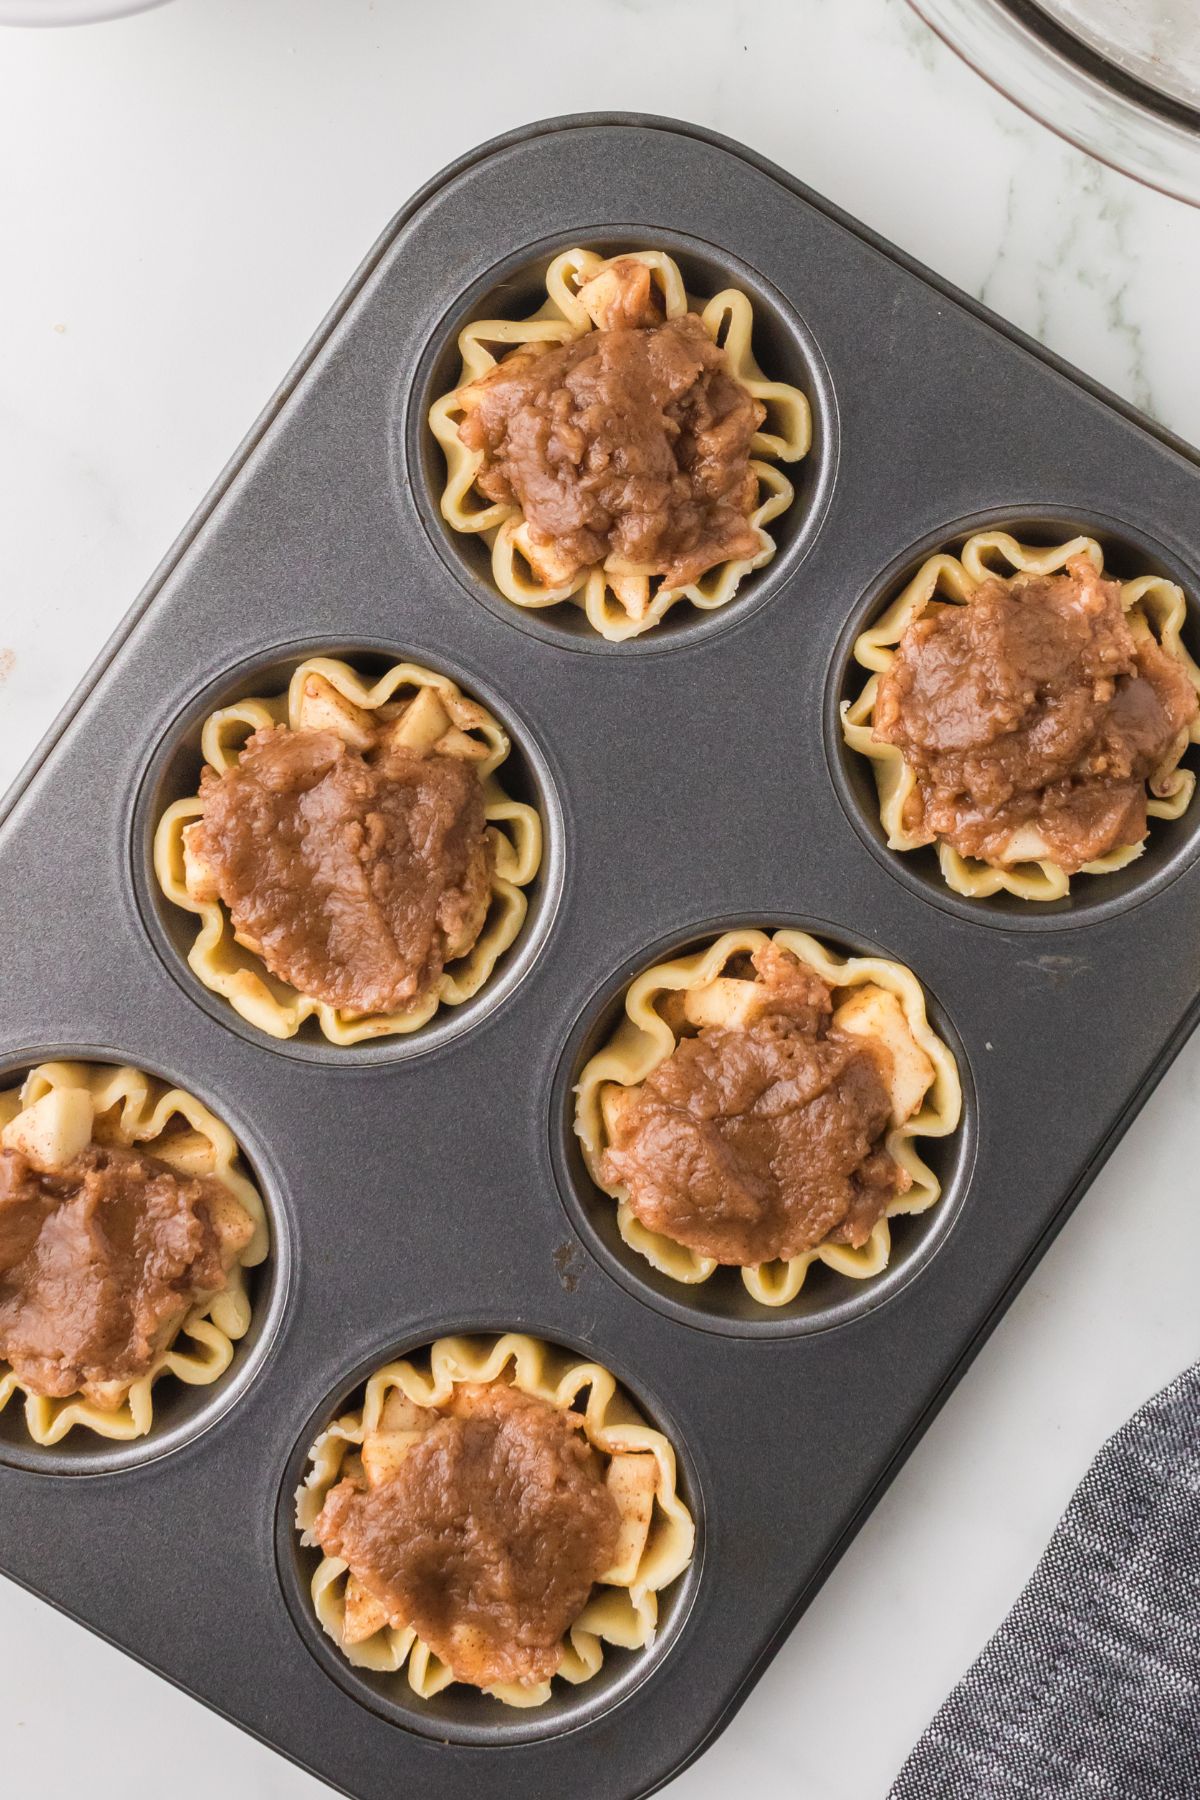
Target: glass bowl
[(1119, 78), (69, 12)]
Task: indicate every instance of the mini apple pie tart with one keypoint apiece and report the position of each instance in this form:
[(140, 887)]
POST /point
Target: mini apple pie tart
[(494, 1513), (127, 1227), (758, 1107), (620, 448), (351, 854)]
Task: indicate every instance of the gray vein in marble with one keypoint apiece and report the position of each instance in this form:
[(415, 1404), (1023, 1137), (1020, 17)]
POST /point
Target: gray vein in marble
[(1063, 243), (918, 38), (1036, 326)]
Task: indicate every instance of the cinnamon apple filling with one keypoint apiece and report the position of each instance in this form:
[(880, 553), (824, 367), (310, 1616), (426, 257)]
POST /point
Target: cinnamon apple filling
[(764, 1133), (104, 1252), (353, 857), (485, 1534), (631, 442), (1035, 718)]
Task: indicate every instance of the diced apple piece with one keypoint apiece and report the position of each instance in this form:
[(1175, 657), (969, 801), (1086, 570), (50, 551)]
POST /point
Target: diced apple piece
[(384, 1451), (1026, 844), (423, 721), (622, 294), (470, 1653), (632, 1481), (469, 714), (364, 1615), (601, 297), (613, 1101), (547, 562), (231, 1222), (401, 1423), (187, 1152), (198, 877), (322, 708), (106, 1396), (871, 1012), (729, 1001), (54, 1130), (632, 592), (402, 1414), (456, 743)]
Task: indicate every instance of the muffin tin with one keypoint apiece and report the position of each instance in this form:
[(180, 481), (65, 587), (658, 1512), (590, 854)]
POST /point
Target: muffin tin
[(688, 780)]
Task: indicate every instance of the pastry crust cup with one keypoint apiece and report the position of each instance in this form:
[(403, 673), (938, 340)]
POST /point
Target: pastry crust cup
[(620, 599), (657, 1531), (136, 1111), (644, 1039), (237, 973), (1152, 605)]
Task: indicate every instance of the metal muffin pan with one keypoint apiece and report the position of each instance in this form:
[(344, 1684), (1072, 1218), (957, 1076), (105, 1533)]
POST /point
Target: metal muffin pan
[(693, 779)]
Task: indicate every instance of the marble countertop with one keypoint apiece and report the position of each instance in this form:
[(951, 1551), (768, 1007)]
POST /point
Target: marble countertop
[(185, 194)]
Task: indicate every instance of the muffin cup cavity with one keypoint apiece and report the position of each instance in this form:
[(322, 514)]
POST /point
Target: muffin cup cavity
[(870, 780), (822, 1288), (196, 941), (624, 1632), (768, 344), (219, 1349)]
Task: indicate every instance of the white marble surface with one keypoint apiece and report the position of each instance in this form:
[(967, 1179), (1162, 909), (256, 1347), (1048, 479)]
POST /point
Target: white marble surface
[(183, 195)]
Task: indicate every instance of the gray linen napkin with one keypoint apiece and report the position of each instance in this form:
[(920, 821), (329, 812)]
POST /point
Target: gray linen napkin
[(1090, 1690)]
